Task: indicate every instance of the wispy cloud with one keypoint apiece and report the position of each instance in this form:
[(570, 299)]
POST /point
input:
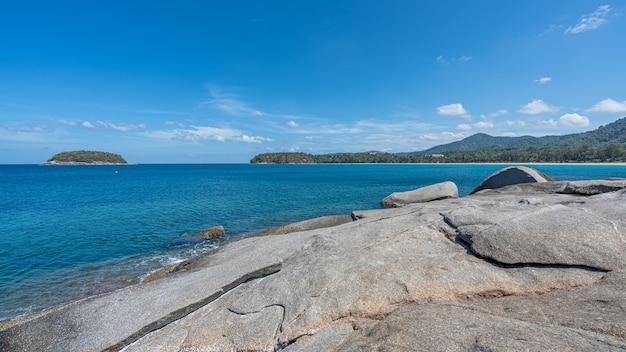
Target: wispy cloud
[(122, 127), (206, 134), (27, 132), (444, 60), (174, 123), (609, 105), (292, 123), (230, 104), (590, 21), (537, 106), (543, 80)]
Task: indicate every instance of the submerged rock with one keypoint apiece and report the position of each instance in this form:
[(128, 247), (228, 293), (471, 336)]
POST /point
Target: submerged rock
[(511, 176), (213, 232), (438, 191)]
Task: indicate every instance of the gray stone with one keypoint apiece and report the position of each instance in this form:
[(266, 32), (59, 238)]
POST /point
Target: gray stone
[(594, 187), (453, 327), (510, 176), (213, 232), (306, 225), (560, 234), (438, 191)]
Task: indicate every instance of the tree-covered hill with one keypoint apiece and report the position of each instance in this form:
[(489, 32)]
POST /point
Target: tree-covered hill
[(613, 132), (604, 144), (86, 157)]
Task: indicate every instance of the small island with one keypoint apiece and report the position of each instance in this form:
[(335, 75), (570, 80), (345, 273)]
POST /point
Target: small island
[(86, 157)]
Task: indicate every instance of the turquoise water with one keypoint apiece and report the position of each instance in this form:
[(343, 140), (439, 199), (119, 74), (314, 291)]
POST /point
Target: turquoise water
[(68, 232)]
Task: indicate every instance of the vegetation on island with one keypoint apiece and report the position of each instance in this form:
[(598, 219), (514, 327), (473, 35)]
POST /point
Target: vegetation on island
[(605, 144), (86, 157)]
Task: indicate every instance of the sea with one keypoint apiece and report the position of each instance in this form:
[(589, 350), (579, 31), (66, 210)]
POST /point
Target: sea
[(68, 232)]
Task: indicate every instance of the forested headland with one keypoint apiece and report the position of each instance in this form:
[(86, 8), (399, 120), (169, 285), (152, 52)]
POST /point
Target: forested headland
[(603, 145)]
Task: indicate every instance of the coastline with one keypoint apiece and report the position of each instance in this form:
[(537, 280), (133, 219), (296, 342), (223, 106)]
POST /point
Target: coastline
[(77, 163), (337, 287)]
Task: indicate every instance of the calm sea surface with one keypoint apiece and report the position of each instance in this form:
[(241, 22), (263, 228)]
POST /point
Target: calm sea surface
[(68, 232)]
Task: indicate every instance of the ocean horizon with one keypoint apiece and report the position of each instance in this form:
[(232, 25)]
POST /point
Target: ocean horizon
[(68, 232)]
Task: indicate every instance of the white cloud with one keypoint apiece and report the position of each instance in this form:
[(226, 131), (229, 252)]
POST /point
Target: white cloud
[(590, 21), (484, 124), (609, 105), (443, 136), (292, 123), (465, 58), (518, 123), (543, 80), (88, 124), (252, 139), (452, 110), (464, 127), (309, 138), (573, 120), (550, 123), (500, 112), (537, 106)]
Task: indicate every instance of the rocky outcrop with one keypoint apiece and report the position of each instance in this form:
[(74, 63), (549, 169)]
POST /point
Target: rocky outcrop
[(213, 232), (438, 191), (511, 176), (492, 271)]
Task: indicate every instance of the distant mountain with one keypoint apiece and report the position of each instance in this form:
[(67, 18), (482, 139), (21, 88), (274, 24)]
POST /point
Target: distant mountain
[(613, 132)]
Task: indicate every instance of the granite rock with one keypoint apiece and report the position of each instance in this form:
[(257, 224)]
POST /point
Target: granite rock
[(512, 175), (438, 191)]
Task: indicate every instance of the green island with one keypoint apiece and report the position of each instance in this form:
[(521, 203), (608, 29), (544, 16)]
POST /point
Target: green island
[(86, 157), (605, 144)]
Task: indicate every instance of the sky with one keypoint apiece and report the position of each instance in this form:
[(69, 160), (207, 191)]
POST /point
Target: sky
[(221, 81)]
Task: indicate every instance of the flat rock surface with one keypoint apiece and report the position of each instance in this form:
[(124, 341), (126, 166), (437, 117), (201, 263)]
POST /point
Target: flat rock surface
[(394, 280)]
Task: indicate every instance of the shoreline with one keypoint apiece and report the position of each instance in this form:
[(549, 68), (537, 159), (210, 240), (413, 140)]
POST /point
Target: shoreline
[(390, 276)]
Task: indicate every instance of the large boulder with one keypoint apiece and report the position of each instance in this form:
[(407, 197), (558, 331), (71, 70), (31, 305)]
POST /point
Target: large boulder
[(511, 176), (438, 191)]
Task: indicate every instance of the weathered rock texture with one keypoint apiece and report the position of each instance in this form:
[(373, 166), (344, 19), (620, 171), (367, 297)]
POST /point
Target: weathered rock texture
[(494, 272), (306, 225), (438, 191), (511, 176)]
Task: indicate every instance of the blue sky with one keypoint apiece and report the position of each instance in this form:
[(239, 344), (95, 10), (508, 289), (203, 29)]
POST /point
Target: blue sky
[(221, 81)]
